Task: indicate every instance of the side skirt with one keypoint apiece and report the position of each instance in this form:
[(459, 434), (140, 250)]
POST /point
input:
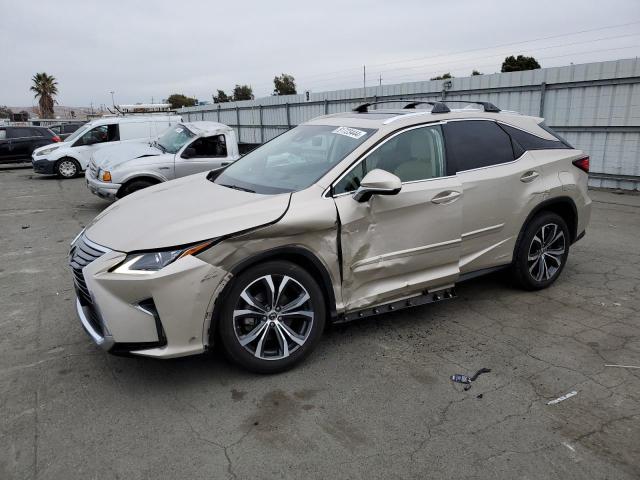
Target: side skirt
[(426, 297)]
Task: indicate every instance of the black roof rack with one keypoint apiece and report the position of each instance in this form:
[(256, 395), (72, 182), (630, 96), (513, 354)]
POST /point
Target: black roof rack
[(438, 106)]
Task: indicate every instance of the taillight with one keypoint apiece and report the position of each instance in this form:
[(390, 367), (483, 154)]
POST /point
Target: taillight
[(55, 138), (582, 164)]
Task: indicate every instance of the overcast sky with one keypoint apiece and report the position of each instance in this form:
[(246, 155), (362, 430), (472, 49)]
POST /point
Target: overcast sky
[(144, 49)]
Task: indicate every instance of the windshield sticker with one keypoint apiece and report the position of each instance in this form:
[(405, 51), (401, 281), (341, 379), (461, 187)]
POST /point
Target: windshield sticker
[(349, 132)]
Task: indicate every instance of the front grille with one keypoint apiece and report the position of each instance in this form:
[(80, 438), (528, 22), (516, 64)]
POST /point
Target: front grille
[(82, 253), (93, 170)]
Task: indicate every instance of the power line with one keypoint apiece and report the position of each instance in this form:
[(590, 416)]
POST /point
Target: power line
[(472, 59)]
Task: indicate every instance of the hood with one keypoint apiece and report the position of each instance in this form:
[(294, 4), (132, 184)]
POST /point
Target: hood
[(112, 156), (183, 211)]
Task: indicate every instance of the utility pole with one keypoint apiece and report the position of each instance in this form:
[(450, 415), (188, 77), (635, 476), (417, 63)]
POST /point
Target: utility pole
[(380, 79), (364, 82), (113, 102)]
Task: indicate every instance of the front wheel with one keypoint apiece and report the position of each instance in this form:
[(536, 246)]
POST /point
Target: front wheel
[(542, 252), (67, 168), (272, 317)]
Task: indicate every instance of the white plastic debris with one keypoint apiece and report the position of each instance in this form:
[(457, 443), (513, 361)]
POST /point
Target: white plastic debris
[(562, 398), (623, 366)]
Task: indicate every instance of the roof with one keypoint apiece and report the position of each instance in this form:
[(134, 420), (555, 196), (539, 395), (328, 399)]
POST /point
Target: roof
[(206, 129)]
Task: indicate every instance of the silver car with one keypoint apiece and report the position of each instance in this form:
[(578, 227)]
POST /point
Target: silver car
[(346, 216)]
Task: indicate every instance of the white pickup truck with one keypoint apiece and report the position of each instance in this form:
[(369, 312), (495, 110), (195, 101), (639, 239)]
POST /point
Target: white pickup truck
[(187, 148)]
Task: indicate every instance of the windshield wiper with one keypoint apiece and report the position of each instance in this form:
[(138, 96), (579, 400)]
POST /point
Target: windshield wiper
[(236, 187)]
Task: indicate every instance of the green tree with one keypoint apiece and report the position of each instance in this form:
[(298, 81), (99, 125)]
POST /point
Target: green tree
[(242, 92), (5, 112), (45, 88), (179, 100), (442, 77), (221, 97), (284, 85), (476, 72), (519, 63)]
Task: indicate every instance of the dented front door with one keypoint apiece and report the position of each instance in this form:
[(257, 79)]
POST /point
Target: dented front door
[(400, 245)]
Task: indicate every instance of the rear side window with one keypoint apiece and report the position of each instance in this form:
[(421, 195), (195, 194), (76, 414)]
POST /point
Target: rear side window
[(475, 144), (20, 132), (530, 142), (36, 132), (555, 134)]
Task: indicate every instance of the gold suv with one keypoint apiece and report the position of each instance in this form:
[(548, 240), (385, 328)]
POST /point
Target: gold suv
[(345, 216)]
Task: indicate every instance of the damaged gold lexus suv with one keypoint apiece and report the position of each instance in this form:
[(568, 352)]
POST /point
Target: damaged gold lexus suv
[(345, 216)]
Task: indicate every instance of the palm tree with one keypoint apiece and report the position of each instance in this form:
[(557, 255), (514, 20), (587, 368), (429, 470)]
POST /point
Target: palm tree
[(45, 87)]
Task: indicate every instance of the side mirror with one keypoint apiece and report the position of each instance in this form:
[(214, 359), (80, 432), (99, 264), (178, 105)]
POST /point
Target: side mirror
[(189, 152), (377, 182)]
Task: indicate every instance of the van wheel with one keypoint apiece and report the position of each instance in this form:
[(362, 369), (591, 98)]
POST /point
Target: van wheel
[(67, 168), (542, 252), (272, 317), (134, 186)]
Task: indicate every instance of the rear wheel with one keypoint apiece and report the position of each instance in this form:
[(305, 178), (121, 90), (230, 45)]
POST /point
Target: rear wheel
[(542, 252), (67, 168), (272, 317), (134, 186)]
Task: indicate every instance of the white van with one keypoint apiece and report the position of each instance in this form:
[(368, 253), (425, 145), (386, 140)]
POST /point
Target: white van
[(67, 159)]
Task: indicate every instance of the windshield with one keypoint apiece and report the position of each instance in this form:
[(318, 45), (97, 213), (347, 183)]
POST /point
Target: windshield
[(173, 139), (294, 160), (78, 133)]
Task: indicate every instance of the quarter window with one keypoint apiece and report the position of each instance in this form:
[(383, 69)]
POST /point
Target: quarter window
[(531, 142), (416, 154), (475, 144)]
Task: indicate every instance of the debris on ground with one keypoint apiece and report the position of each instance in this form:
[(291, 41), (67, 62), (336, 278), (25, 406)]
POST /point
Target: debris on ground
[(562, 398), (622, 366), (460, 378), (24, 227)]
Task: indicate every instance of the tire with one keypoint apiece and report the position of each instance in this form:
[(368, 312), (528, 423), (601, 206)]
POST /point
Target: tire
[(260, 343), (542, 252), (134, 186), (67, 168)]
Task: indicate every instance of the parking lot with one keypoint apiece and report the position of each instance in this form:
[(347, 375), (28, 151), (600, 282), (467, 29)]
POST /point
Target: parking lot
[(374, 401)]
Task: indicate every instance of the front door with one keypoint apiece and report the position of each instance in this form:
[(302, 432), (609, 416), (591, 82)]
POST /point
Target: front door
[(400, 245), (202, 154)]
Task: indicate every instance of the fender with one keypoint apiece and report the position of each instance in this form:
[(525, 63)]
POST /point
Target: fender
[(143, 174)]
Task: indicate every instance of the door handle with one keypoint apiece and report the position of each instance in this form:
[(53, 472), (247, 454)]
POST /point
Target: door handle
[(529, 176), (447, 196), (224, 164)]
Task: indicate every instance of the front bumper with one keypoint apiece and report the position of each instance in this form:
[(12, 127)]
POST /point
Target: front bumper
[(43, 166), (165, 314), (105, 190)]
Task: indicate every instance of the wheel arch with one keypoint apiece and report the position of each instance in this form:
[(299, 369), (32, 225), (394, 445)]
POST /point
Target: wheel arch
[(565, 207), (154, 180), (299, 255)]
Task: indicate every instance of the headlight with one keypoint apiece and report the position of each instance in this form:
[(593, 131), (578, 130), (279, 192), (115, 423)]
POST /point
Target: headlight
[(150, 262), (45, 151)]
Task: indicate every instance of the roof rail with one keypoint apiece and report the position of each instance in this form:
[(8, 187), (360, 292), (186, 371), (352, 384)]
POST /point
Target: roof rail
[(438, 107), (488, 106), (364, 108)]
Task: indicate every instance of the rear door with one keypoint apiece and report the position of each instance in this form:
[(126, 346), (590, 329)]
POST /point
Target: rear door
[(204, 153), (500, 181), (21, 141), (394, 246)]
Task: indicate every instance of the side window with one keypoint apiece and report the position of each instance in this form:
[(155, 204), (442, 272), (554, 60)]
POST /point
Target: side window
[(416, 154), (3, 134), (530, 142), (35, 132), (214, 146), (101, 134), (20, 132), (475, 144)]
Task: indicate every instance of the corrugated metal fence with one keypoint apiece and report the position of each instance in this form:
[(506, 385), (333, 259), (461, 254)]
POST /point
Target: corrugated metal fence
[(595, 106)]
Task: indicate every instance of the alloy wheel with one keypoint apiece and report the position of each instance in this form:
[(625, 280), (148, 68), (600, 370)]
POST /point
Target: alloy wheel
[(546, 252), (273, 317)]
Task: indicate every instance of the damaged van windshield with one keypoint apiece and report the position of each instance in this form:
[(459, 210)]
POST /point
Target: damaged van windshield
[(294, 160)]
